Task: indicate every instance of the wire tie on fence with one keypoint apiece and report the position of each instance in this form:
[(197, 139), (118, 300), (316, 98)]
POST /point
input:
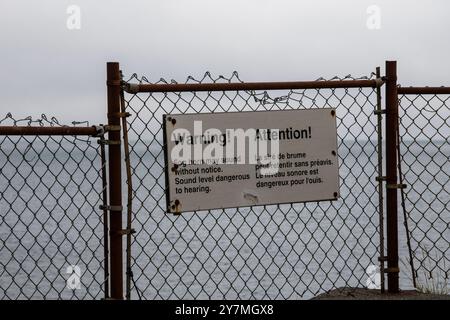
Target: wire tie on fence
[(379, 82), (378, 112), (130, 272), (392, 270), (396, 186), (381, 259), (109, 142), (100, 131), (381, 178), (119, 115), (111, 208)]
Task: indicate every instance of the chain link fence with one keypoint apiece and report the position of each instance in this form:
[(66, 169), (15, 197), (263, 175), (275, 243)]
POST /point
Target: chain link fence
[(51, 189), (263, 252), (425, 157)]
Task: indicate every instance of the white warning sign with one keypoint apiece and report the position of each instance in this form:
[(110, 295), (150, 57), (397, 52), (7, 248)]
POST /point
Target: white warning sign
[(224, 160)]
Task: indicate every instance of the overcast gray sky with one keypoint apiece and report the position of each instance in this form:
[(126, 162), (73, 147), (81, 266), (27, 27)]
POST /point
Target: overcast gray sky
[(47, 68)]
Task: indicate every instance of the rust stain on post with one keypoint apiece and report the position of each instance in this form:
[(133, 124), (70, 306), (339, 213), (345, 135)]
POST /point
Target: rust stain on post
[(115, 182)]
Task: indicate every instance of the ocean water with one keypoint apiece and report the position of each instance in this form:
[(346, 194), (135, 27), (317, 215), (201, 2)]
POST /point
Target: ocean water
[(50, 193)]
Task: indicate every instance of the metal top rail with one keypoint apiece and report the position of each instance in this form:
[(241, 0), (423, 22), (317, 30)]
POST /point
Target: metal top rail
[(184, 87), (423, 90), (47, 130)]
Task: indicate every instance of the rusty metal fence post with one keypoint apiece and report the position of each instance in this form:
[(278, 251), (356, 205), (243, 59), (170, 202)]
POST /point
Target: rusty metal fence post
[(391, 176), (115, 181)]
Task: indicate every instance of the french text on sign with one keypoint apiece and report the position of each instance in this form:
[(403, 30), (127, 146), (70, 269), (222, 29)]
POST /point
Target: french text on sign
[(224, 160)]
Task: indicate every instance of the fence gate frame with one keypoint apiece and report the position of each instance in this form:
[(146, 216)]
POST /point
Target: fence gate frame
[(117, 87), (391, 119)]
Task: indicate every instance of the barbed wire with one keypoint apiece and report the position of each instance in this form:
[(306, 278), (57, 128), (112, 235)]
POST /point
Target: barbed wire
[(44, 120)]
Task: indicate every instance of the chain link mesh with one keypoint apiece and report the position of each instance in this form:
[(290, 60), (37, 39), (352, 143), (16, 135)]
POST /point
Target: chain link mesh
[(51, 189), (264, 252), (425, 145)]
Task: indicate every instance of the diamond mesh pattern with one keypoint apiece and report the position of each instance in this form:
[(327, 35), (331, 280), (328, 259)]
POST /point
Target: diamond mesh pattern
[(424, 134), (50, 189)]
